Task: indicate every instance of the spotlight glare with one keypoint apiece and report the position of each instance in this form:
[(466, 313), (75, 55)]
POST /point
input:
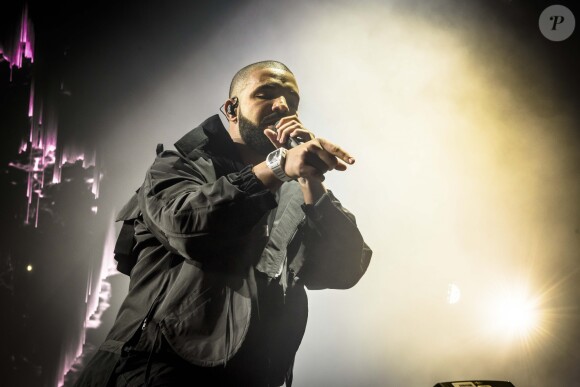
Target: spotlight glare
[(453, 294), (29, 268), (517, 315)]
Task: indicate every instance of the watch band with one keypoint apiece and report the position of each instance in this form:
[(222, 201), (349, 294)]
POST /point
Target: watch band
[(275, 161)]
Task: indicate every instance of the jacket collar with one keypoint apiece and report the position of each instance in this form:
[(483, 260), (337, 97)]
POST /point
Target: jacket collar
[(210, 135)]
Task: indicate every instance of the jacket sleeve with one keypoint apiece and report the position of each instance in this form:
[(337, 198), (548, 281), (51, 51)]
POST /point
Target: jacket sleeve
[(333, 251), (196, 215)]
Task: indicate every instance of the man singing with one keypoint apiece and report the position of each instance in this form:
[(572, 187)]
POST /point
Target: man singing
[(220, 242)]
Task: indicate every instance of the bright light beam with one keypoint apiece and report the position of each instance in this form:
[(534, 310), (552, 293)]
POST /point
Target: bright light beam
[(517, 315)]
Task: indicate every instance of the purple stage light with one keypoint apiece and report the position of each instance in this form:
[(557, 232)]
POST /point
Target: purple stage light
[(23, 46)]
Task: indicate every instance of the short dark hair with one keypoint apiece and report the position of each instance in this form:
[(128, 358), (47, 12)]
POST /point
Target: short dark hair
[(242, 75)]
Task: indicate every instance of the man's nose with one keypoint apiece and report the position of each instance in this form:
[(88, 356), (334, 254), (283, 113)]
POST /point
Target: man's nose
[(280, 104)]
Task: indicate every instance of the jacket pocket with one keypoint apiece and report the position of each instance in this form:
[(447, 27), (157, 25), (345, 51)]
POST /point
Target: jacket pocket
[(207, 321)]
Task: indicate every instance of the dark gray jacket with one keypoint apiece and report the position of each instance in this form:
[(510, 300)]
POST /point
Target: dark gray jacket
[(210, 239)]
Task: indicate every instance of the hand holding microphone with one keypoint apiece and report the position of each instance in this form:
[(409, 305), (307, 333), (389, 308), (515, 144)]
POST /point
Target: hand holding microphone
[(307, 156)]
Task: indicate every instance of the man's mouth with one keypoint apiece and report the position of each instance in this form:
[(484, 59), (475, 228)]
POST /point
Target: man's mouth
[(271, 121)]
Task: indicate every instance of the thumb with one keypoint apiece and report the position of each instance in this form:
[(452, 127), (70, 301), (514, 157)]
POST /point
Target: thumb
[(272, 136)]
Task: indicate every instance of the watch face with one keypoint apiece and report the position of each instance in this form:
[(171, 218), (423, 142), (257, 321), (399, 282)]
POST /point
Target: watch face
[(275, 161), (273, 157)]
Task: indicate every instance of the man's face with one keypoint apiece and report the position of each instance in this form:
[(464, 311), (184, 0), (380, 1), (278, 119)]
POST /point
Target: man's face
[(269, 94)]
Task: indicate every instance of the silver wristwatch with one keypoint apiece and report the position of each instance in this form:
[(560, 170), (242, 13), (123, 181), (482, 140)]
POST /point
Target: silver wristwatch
[(275, 161)]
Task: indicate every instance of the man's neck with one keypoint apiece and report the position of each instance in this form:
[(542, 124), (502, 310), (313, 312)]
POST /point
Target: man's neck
[(248, 155)]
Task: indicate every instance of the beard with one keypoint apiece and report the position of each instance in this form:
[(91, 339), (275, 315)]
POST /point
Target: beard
[(254, 136)]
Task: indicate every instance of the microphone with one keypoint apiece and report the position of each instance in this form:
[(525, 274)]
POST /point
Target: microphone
[(293, 142), (313, 160)]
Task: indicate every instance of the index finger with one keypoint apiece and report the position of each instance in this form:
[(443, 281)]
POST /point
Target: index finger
[(285, 120), (336, 150)]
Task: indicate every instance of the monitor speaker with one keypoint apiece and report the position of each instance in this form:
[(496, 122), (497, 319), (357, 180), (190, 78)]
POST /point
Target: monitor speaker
[(475, 383)]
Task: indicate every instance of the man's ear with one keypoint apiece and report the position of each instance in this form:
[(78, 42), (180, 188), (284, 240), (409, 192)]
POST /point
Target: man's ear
[(230, 106)]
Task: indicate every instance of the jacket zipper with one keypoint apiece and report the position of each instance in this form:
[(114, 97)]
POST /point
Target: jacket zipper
[(285, 262), (149, 313)]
